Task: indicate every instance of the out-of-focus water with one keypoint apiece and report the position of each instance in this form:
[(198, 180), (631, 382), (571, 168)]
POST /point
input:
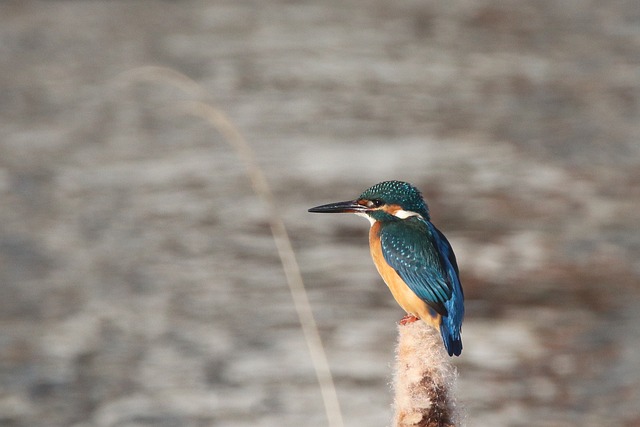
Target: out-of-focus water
[(140, 284)]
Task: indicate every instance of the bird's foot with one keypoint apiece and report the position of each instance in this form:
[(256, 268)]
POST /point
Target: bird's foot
[(409, 318)]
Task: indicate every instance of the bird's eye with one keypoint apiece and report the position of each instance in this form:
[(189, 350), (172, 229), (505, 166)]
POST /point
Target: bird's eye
[(375, 203)]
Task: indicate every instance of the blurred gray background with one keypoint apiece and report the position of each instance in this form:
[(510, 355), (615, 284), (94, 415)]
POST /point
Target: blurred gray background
[(139, 282)]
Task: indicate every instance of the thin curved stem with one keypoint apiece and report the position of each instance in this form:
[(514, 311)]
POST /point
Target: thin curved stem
[(221, 122)]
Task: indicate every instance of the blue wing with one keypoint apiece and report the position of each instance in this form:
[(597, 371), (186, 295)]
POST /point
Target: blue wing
[(451, 324), (423, 258), (410, 247)]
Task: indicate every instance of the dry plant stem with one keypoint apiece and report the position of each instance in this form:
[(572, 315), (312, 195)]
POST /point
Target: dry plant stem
[(423, 379), (287, 257), (219, 120)]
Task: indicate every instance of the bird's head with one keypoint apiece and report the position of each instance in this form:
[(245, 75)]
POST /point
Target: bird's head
[(387, 200)]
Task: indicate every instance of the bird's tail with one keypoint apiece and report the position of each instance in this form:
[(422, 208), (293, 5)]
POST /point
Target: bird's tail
[(452, 323), (449, 329), (451, 337)]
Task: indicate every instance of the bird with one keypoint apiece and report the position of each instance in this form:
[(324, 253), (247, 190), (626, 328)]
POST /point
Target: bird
[(413, 257)]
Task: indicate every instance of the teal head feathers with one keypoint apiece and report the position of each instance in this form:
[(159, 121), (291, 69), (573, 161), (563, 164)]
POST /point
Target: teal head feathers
[(387, 200)]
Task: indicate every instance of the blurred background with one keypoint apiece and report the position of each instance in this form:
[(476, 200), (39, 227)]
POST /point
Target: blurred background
[(139, 281)]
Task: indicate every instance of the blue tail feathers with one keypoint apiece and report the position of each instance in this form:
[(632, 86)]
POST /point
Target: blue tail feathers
[(452, 341), (451, 325), (450, 328)]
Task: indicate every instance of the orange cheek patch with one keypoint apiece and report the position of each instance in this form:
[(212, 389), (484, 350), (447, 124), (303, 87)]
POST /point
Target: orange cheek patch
[(391, 209)]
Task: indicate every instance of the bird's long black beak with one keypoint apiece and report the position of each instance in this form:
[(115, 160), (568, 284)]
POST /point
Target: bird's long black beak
[(350, 206)]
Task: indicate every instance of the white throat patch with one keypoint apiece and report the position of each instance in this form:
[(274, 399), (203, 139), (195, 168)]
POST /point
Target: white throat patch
[(364, 215), (402, 214)]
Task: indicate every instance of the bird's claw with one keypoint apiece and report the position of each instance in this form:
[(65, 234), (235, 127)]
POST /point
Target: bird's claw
[(409, 318)]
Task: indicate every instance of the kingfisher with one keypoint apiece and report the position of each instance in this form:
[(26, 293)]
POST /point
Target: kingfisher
[(413, 257)]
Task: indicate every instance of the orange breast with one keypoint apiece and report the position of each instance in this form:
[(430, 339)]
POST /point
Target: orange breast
[(403, 295)]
